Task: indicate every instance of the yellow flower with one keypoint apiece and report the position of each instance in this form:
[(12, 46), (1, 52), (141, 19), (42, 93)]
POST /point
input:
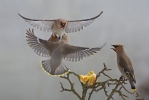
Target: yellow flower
[(90, 73), (83, 78), (92, 78), (88, 79)]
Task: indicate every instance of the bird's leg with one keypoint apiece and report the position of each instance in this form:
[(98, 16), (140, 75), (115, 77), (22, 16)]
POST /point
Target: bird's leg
[(58, 38), (54, 38), (122, 78)]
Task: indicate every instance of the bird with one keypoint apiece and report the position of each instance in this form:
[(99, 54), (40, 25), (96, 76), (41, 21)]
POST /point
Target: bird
[(124, 64), (59, 26), (57, 51)]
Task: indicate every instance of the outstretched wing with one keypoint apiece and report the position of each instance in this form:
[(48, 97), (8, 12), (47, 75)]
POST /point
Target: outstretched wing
[(74, 53), (45, 25), (77, 25), (34, 43)]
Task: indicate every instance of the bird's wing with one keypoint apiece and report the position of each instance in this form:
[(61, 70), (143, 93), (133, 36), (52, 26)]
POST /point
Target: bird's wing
[(75, 53), (127, 68), (45, 25), (130, 64), (77, 25), (34, 43)]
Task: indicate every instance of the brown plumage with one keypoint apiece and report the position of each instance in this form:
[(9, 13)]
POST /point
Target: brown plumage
[(124, 64)]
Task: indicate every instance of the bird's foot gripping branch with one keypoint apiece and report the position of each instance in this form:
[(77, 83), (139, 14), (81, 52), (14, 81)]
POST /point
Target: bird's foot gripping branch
[(91, 83)]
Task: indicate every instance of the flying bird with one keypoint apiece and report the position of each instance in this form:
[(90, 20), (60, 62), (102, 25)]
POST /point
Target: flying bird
[(59, 26), (125, 65), (58, 51)]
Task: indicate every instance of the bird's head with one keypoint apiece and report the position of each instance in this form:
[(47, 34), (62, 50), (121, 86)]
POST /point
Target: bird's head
[(117, 47), (62, 23)]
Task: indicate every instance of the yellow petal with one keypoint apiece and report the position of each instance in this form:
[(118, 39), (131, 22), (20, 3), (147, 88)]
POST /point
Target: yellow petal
[(92, 79), (83, 78), (91, 72)]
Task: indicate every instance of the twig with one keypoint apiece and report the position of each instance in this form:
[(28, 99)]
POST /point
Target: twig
[(90, 94), (63, 89), (137, 96), (97, 86), (110, 96), (125, 89), (72, 87)]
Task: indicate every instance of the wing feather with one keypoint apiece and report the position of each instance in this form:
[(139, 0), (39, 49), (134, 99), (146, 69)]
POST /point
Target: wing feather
[(77, 25), (74, 53), (33, 42), (45, 25)]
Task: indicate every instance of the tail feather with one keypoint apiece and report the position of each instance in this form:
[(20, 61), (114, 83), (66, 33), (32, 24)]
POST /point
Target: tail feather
[(132, 85), (60, 70)]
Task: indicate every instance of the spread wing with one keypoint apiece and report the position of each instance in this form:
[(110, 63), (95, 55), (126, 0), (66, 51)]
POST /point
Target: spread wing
[(45, 25), (77, 25), (74, 53), (33, 42)]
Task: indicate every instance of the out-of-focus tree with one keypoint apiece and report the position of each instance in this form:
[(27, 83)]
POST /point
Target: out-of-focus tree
[(143, 89)]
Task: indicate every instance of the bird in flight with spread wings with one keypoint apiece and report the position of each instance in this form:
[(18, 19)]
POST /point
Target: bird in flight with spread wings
[(60, 26), (58, 51)]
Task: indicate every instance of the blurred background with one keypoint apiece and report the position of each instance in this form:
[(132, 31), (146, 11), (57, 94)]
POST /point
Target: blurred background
[(122, 22)]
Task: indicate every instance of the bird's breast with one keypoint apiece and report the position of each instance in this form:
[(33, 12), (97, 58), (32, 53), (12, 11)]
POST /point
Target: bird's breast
[(57, 31)]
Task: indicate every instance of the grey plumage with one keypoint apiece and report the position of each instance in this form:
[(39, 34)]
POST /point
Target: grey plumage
[(58, 51)]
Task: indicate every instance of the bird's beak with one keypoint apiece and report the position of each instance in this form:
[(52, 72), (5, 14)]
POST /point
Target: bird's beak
[(113, 46), (63, 26), (113, 49)]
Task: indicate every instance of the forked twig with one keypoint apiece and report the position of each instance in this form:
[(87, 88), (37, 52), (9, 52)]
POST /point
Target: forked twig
[(97, 86)]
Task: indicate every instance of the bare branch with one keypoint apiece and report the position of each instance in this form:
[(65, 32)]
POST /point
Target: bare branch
[(71, 85), (90, 94), (137, 96), (98, 86)]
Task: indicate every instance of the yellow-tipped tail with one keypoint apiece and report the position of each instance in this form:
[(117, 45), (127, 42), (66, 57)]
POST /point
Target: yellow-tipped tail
[(46, 71), (133, 90)]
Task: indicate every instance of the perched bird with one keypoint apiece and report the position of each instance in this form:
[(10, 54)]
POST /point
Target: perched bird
[(59, 26), (58, 51), (125, 65)]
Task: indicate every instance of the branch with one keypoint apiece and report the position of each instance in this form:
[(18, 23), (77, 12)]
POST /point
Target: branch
[(90, 94), (97, 86), (103, 71), (137, 96), (71, 85)]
